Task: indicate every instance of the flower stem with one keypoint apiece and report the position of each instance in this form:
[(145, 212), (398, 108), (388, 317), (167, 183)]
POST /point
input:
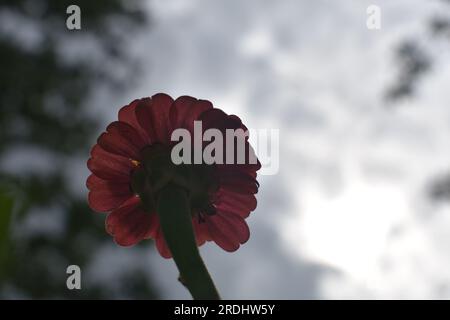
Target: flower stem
[(176, 223)]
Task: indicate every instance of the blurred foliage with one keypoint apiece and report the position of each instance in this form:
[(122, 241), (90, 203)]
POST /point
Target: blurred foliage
[(440, 27), (414, 59), (42, 100), (440, 190), (6, 208), (413, 63)]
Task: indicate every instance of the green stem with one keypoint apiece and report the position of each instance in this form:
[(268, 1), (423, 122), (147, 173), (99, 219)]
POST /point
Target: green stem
[(176, 223)]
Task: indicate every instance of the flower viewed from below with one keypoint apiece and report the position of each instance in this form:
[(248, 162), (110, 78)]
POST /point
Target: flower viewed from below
[(132, 161)]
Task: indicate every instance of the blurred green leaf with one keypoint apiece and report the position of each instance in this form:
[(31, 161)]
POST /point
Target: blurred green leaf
[(6, 209)]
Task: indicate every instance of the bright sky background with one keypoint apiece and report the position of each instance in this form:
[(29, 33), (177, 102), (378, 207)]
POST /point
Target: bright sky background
[(347, 216)]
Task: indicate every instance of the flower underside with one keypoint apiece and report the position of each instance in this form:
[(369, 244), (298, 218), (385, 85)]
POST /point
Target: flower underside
[(157, 170), (131, 163)]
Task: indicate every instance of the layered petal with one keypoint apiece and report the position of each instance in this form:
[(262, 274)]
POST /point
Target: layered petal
[(201, 231), (237, 181), (129, 224), (128, 114), (229, 201), (109, 166), (122, 139), (236, 143), (217, 119), (185, 110), (107, 195), (153, 116), (143, 116), (250, 166), (161, 245), (228, 230), (229, 189)]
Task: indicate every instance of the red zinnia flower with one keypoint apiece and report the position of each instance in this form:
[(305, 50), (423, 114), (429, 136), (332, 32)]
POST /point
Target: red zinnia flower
[(221, 195)]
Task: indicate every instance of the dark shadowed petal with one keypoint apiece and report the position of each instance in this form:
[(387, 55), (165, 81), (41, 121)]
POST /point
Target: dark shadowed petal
[(197, 109), (236, 120), (179, 111), (248, 169), (161, 245), (128, 114), (241, 204), (238, 181), (122, 139), (128, 132), (153, 116), (216, 118), (109, 166), (129, 224), (228, 230), (115, 144), (185, 110), (144, 117), (106, 195), (160, 110), (237, 225), (201, 231)]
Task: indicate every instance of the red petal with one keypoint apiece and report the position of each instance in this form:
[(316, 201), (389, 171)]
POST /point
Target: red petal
[(161, 245), (201, 231), (122, 139), (161, 109), (237, 181), (247, 167), (185, 110), (241, 204), (216, 118), (106, 195), (129, 224), (237, 225), (128, 132), (128, 114), (144, 118), (179, 110), (228, 230), (153, 116), (109, 166)]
